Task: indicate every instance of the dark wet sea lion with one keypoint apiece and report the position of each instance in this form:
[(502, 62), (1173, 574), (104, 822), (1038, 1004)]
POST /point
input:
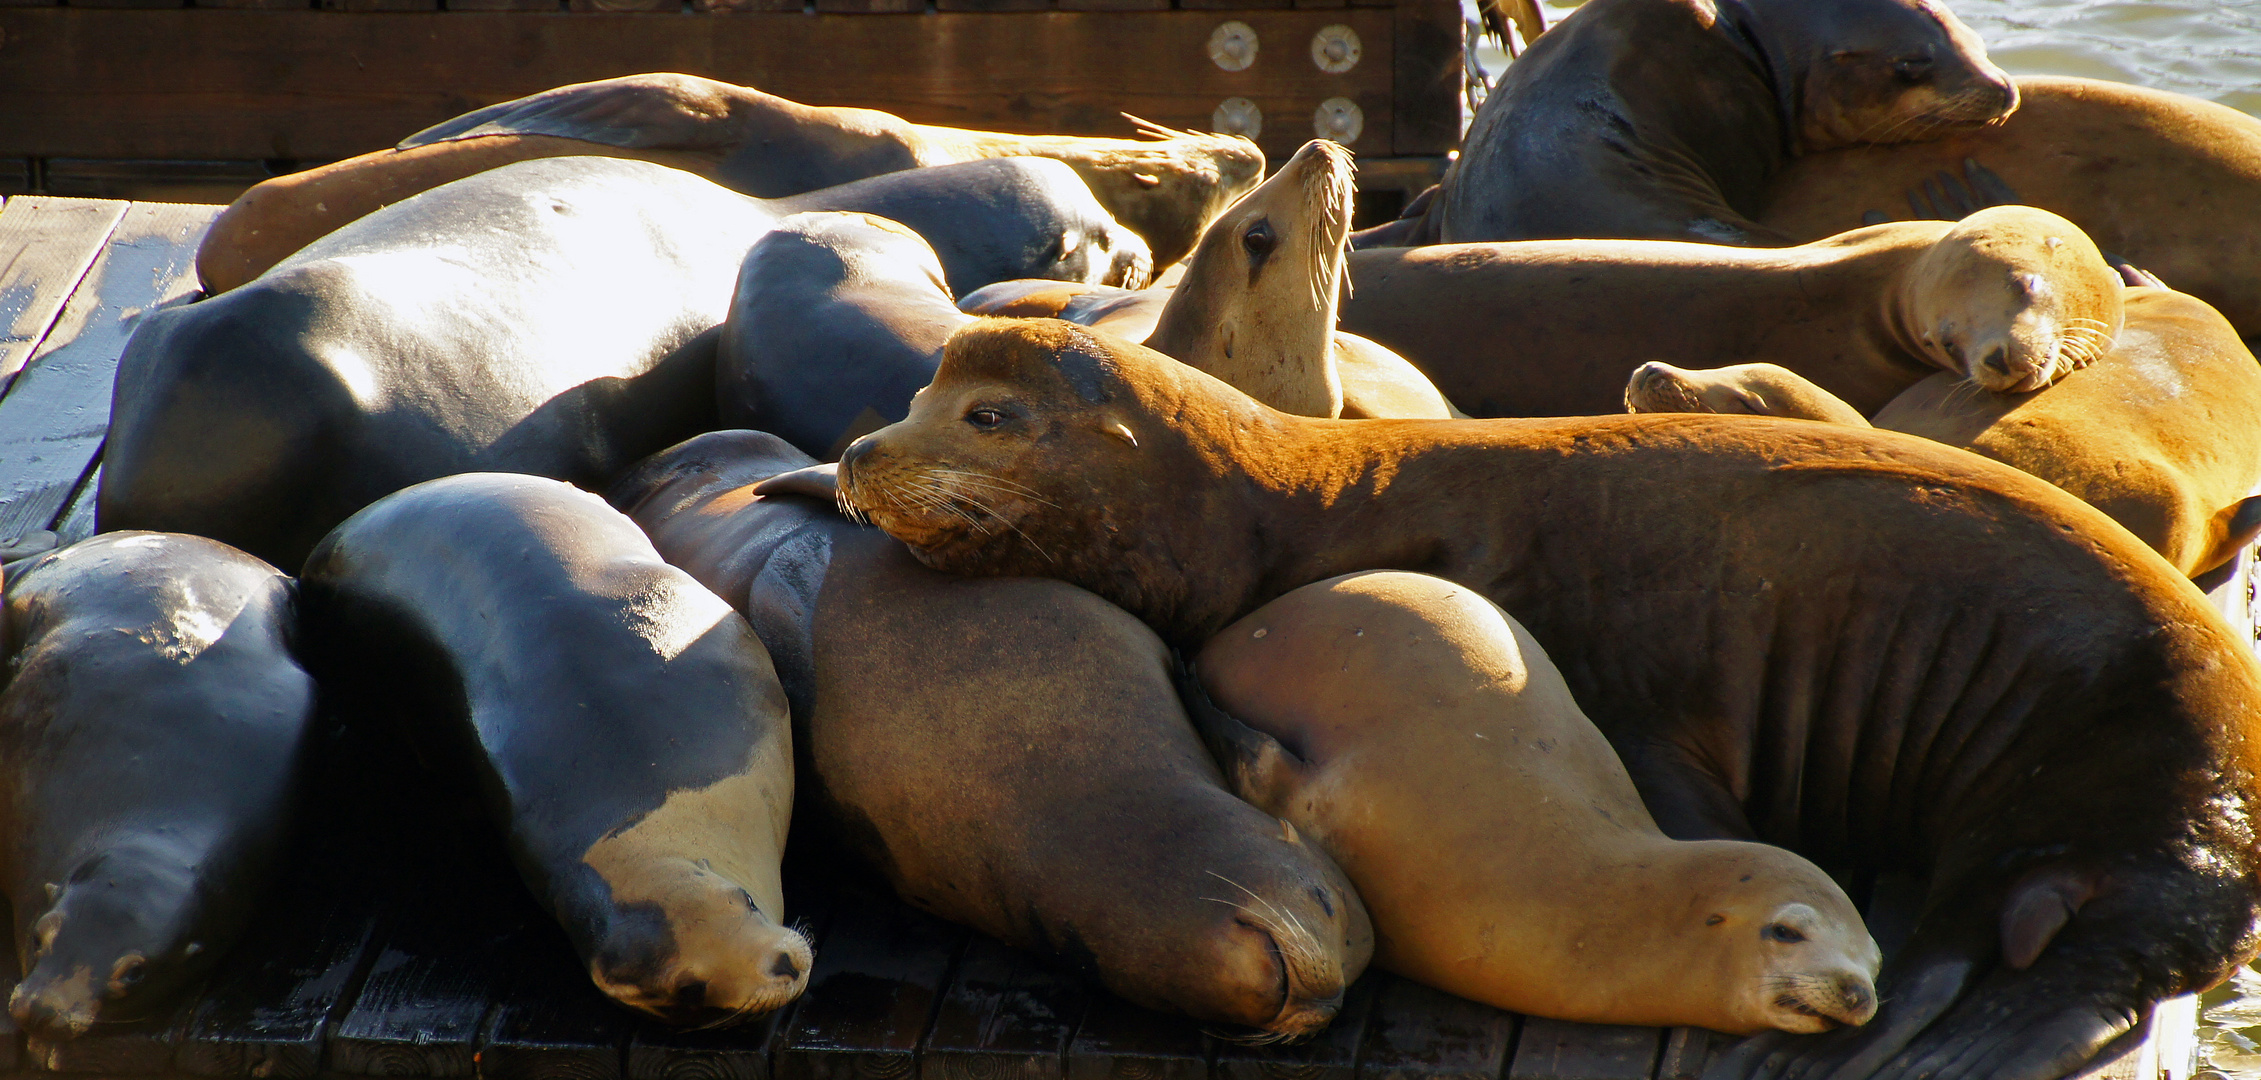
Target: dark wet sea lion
[(1414, 732), (2008, 297), (1165, 187), (624, 726), (1879, 652), (2162, 432), (154, 725), (1011, 754), (2166, 181), (544, 318), (1664, 119)]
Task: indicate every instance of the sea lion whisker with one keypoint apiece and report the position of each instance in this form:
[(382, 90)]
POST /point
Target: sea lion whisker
[(1301, 947), (999, 483)]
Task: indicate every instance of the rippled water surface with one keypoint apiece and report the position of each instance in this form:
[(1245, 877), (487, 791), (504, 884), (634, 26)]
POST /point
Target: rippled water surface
[(2205, 49)]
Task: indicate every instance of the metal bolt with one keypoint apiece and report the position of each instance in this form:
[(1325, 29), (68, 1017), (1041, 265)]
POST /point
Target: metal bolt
[(1233, 45), (1237, 116), (1335, 49), (1340, 119)]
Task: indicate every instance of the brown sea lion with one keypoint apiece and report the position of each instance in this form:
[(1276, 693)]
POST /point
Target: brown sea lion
[(154, 724), (1879, 652), (1664, 119), (1258, 303), (623, 725), (1010, 754), (1415, 732), (1164, 188), (2163, 432), (2009, 297), (2165, 181)]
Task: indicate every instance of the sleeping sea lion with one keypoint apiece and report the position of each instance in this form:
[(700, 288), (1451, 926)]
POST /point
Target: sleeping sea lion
[(1010, 754), (545, 317), (1165, 187), (2008, 298), (1879, 652), (2162, 432), (1416, 734), (2166, 181), (154, 723), (623, 726), (1664, 119)]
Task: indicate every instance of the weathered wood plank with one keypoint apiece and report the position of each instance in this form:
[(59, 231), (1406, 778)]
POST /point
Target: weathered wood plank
[(552, 1023), (76, 522), (872, 993), (46, 246), (1688, 1050), (1005, 1015), (1560, 1050), (56, 414), (743, 1052), (992, 5), (154, 181), (1120, 1041), (503, 5), (1426, 48), (319, 85), (1332, 1054), (1420, 1033)]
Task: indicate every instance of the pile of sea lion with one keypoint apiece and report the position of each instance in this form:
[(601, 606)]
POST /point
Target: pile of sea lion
[(1190, 634)]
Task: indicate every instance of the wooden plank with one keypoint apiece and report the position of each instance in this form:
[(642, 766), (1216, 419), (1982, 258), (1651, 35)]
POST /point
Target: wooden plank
[(1332, 1054), (872, 7), (154, 181), (55, 415), (312, 84), (553, 1023), (992, 5), (15, 176), (425, 1002), (1113, 5), (504, 5), (1561, 1050), (1421, 1033), (259, 5), (380, 5), (872, 993), (46, 247), (1005, 1014), (624, 5), (76, 522), (1120, 1041), (1688, 1051), (732, 7), (1426, 57)]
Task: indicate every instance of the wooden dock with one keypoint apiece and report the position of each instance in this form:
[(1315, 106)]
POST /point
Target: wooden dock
[(399, 943)]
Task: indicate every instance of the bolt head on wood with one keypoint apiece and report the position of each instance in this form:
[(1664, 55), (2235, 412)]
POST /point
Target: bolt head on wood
[(1340, 119), (1237, 116), (1336, 49), (1233, 45)]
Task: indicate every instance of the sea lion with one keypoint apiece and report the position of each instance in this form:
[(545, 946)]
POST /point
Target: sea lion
[(2010, 297), (2162, 433), (1257, 305), (1048, 791), (1879, 652), (624, 726), (1664, 119), (2165, 181), (1415, 733), (1165, 188), (154, 725), (545, 317)]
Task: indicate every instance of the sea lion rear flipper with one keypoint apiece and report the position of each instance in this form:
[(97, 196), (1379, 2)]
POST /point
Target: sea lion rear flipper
[(637, 112), (1256, 766), (1947, 197)]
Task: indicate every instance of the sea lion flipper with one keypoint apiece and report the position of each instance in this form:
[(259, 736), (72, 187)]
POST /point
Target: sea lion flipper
[(646, 112), (2038, 908), (821, 481), (1256, 766), (2241, 527)]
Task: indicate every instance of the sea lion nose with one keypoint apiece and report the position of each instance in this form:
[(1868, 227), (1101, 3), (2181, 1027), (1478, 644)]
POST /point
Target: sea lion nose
[(1998, 360), (1858, 998)]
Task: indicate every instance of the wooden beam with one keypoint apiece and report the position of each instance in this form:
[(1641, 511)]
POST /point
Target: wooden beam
[(251, 85), (1428, 66), (46, 246)]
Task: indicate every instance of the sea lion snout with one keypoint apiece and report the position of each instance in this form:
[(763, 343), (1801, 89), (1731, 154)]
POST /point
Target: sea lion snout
[(56, 1007), (713, 959)]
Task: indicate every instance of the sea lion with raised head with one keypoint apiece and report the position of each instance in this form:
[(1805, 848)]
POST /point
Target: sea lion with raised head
[(1665, 119), (622, 724), (2008, 298), (2162, 432), (2165, 181), (1047, 790), (154, 723), (1164, 187), (545, 317), (1415, 733), (1874, 650)]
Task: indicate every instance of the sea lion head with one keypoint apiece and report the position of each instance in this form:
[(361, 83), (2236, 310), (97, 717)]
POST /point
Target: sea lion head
[(1169, 188), (695, 947), (1257, 305), (1792, 951), (1739, 389), (116, 940), (1877, 71), (2012, 299)]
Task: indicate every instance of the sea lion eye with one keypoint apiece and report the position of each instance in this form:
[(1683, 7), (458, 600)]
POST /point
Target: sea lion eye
[(1783, 933), (984, 417), (1912, 69), (1259, 240)]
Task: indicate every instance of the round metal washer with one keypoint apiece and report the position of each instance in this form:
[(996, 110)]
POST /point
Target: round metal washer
[(1335, 49), (1233, 45), (1238, 116), (1340, 119)]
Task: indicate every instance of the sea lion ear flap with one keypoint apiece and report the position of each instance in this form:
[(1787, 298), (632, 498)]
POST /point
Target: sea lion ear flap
[(1256, 766), (2039, 906)]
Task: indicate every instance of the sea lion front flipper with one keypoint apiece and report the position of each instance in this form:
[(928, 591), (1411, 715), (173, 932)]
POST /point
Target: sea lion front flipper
[(635, 112), (821, 481), (2241, 525), (1256, 766)]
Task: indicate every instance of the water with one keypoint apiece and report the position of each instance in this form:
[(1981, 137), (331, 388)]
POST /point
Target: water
[(2205, 48)]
